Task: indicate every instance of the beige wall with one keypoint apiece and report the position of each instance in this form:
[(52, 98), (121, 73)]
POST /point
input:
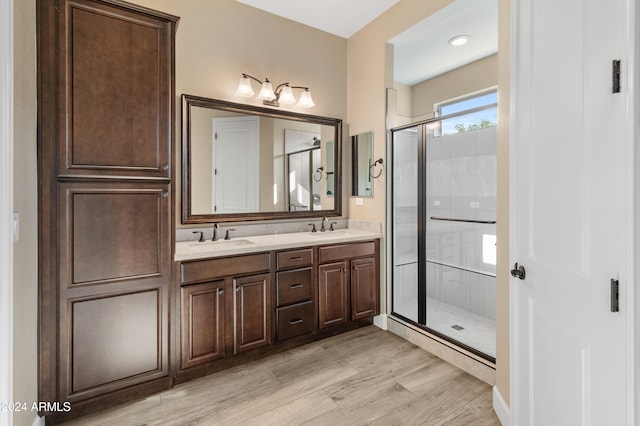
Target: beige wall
[(476, 76), (219, 40), (367, 61), (25, 263)]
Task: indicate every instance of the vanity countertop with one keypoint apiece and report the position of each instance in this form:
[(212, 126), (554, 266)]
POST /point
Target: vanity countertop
[(191, 250)]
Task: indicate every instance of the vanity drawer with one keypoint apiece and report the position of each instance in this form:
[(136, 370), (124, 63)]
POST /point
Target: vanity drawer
[(345, 251), (295, 258), (205, 270), (295, 320), (294, 286)]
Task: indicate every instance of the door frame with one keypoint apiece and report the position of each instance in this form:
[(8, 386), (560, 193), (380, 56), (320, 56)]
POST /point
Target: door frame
[(6, 213), (630, 298)]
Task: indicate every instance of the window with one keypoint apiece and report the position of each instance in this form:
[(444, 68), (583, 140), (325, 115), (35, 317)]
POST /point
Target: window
[(483, 105)]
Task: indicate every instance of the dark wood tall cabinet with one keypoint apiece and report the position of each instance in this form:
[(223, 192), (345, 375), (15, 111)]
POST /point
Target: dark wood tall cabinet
[(106, 129)]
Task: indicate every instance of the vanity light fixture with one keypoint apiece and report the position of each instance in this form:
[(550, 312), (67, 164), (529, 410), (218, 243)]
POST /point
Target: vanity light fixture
[(283, 94), (459, 40)]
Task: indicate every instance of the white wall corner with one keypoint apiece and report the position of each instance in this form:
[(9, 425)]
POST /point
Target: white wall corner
[(501, 408), (380, 321)]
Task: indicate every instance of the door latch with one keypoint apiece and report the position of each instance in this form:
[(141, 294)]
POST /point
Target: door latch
[(615, 295), (518, 271)]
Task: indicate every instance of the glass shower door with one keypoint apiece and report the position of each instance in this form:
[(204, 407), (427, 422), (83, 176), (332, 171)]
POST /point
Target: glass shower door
[(444, 232), (405, 223), (460, 241)]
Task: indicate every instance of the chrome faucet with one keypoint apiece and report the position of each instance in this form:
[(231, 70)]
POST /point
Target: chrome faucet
[(324, 220), (215, 232)]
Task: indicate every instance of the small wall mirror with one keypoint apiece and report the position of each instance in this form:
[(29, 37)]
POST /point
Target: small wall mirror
[(242, 162), (362, 159)]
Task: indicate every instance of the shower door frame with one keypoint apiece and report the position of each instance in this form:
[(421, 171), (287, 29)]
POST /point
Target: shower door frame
[(421, 127)]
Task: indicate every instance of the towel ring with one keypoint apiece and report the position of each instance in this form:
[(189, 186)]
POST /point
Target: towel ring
[(318, 173), (378, 161)]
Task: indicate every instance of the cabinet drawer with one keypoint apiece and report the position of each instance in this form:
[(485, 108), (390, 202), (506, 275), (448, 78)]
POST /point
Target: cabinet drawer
[(206, 270), (294, 286), (295, 258), (295, 320), (345, 251)]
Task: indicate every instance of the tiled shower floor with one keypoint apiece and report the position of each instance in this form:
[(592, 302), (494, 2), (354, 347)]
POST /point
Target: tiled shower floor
[(477, 331)]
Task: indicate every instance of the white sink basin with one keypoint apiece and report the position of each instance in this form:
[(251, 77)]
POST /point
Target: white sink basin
[(222, 244)]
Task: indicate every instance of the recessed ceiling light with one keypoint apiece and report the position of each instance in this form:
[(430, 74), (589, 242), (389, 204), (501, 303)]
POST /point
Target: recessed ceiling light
[(459, 40)]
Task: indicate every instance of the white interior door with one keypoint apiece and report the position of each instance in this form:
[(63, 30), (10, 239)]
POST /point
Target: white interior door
[(572, 213), (236, 160)]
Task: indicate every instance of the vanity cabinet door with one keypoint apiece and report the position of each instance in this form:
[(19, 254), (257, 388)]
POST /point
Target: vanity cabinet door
[(252, 316), (364, 288), (203, 323), (333, 294)]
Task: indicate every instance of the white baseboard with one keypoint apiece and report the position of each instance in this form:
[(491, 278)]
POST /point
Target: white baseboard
[(380, 321), (501, 408)]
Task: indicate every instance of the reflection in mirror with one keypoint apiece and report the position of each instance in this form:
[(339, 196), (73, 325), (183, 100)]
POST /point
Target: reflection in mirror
[(251, 163), (362, 160)]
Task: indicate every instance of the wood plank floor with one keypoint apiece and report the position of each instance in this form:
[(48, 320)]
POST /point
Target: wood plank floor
[(367, 376)]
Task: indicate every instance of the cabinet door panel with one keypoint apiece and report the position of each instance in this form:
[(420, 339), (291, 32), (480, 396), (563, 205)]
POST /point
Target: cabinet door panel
[(333, 294), (202, 326), (252, 320), (116, 66), (363, 288), (117, 341), (112, 232)]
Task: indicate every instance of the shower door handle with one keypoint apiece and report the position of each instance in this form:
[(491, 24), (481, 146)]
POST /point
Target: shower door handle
[(518, 271)]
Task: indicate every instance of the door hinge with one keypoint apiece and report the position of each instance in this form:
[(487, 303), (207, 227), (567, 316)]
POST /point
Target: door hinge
[(215, 171), (615, 295), (615, 74), (215, 208), (215, 135)]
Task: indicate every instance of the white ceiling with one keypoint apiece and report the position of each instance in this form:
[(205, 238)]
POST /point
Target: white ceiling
[(421, 52), (340, 17)]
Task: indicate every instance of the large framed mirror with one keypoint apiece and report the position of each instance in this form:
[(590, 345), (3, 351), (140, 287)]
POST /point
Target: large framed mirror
[(244, 162)]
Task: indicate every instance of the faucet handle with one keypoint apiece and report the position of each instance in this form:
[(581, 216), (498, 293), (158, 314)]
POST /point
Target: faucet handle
[(201, 239), (313, 227), (227, 236), (331, 226), (215, 232)]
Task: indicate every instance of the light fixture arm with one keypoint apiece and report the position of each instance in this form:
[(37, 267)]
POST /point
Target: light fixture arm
[(253, 78)]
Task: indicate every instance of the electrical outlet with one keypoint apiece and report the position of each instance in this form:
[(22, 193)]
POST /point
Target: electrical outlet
[(359, 201)]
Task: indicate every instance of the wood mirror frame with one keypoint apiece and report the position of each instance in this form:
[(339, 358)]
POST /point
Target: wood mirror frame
[(189, 217)]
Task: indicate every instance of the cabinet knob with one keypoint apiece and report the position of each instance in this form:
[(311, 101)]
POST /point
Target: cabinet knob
[(165, 167), (165, 194), (238, 289), (221, 291)]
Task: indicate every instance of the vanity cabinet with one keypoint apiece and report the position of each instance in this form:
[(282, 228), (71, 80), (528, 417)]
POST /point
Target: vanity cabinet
[(106, 207), (226, 307), (348, 287)]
